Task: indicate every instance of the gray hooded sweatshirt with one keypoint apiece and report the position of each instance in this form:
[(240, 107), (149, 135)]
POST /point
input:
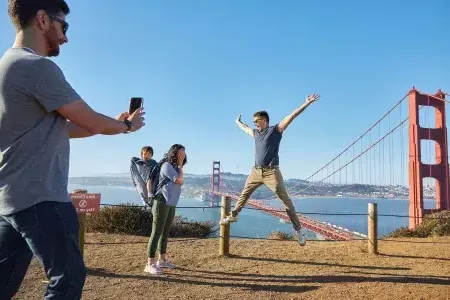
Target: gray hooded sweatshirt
[(140, 173)]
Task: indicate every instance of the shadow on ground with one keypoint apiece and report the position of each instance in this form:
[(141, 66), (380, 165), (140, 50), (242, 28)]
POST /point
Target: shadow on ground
[(183, 278), (280, 283)]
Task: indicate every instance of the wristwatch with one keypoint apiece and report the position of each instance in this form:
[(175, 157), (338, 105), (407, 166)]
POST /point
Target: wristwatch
[(129, 125)]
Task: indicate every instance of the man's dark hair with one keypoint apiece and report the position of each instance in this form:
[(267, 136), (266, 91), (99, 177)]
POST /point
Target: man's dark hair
[(22, 12), (145, 149), (262, 114)]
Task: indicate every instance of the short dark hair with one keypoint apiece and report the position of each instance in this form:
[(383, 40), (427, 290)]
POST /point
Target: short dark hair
[(145, 149), (22, 12), (262, 114)]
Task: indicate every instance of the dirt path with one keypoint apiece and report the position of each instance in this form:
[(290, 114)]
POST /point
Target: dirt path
[(406, 269)]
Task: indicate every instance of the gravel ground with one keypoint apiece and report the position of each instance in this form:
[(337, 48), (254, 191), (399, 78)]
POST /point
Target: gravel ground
[(261, 269)]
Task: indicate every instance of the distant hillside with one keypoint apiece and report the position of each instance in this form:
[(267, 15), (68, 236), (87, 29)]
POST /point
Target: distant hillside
[(195, 185)]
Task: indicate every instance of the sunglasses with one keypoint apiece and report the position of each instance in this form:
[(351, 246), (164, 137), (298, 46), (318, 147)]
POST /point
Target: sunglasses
[(65, 25), (256, 120)]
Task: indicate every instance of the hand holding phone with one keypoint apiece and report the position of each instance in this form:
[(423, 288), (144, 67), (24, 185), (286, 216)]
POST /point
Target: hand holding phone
[(135, 114), (123, 116), (135, 103)]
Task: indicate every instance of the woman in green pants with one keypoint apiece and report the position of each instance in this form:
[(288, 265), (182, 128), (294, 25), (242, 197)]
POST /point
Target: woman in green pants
[(164, 207)]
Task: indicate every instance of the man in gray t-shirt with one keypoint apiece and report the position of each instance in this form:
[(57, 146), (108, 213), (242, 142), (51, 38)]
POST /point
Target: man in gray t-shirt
[(39, 112), (266, 170)]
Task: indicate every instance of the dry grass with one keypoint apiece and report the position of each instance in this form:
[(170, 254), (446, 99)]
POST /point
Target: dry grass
[(280, 235), (405, 269)]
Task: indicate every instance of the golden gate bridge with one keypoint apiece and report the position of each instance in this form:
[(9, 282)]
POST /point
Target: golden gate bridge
[(404, 150)]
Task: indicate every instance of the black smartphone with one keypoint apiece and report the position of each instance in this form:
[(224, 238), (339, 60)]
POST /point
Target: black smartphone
[(135, 103)]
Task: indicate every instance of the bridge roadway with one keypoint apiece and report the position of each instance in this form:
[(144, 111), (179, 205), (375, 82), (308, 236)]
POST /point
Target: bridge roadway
[(326, 230)]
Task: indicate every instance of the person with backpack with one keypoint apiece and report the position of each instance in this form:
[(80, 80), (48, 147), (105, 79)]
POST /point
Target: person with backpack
[(141, 170), (167, 185)]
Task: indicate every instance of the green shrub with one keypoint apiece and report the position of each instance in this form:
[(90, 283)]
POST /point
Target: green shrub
[(437, 224), (402, 232), (280, 235), (132, 220)]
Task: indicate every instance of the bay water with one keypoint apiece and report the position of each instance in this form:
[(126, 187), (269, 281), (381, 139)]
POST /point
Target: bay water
[(257, 224)]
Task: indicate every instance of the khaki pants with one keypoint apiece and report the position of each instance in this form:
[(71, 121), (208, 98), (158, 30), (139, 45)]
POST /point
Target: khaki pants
[(273, 179)]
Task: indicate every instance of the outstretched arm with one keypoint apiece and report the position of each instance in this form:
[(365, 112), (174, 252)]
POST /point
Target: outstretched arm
[(76, 131), (287, 120), (243, 126)]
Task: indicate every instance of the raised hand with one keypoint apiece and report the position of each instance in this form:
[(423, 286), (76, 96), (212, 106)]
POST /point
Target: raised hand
[(238, 119), (137, 119), (312, 98), (180, 157), (122, 116)]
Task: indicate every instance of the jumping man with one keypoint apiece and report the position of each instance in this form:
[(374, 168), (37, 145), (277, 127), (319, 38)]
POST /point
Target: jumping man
[(266, 170)]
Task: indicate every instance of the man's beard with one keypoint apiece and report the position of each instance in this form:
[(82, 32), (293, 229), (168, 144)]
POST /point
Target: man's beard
[(52, 47)]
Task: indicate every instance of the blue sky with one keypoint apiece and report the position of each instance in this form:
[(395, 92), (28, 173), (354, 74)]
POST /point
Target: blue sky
[(198, 64)]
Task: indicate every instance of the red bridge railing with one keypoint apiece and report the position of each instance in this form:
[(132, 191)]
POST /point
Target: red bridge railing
[(327, 230)]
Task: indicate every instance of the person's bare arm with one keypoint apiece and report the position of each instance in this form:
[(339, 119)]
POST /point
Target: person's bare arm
[(48, 85), (180, 179), (79, 132), (180, 160), (288, 119), (243, 126), (86, 122)]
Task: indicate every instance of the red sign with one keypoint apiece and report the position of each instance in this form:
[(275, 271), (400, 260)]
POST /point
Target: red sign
[(86, 203)]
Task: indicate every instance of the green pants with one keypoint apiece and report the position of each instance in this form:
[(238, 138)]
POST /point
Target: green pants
[(163, 216)]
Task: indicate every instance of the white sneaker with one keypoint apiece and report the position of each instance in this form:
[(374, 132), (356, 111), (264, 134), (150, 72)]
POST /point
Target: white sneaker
[(165, 264), (229, 219), (153, 269), (301, 238)]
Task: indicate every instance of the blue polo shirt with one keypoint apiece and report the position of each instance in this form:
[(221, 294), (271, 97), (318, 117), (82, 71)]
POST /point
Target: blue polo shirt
[(267, 144)]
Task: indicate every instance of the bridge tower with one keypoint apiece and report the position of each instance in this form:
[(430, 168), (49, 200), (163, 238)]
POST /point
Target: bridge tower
[(418, 170), (215, 181)]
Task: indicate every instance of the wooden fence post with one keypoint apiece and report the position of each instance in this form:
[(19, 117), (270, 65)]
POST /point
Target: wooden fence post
[(372, 229), (224, 249)]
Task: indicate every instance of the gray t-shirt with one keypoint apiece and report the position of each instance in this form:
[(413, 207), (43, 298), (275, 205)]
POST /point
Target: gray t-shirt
[(267, 144), (34, 143), (171, 191)]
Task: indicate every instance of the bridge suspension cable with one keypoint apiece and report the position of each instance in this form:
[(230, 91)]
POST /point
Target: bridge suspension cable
[(350, 155)]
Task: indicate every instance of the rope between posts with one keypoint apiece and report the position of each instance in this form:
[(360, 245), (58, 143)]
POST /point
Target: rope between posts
[(144, 206), (310, 213), (289, 240), (282, 211)]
